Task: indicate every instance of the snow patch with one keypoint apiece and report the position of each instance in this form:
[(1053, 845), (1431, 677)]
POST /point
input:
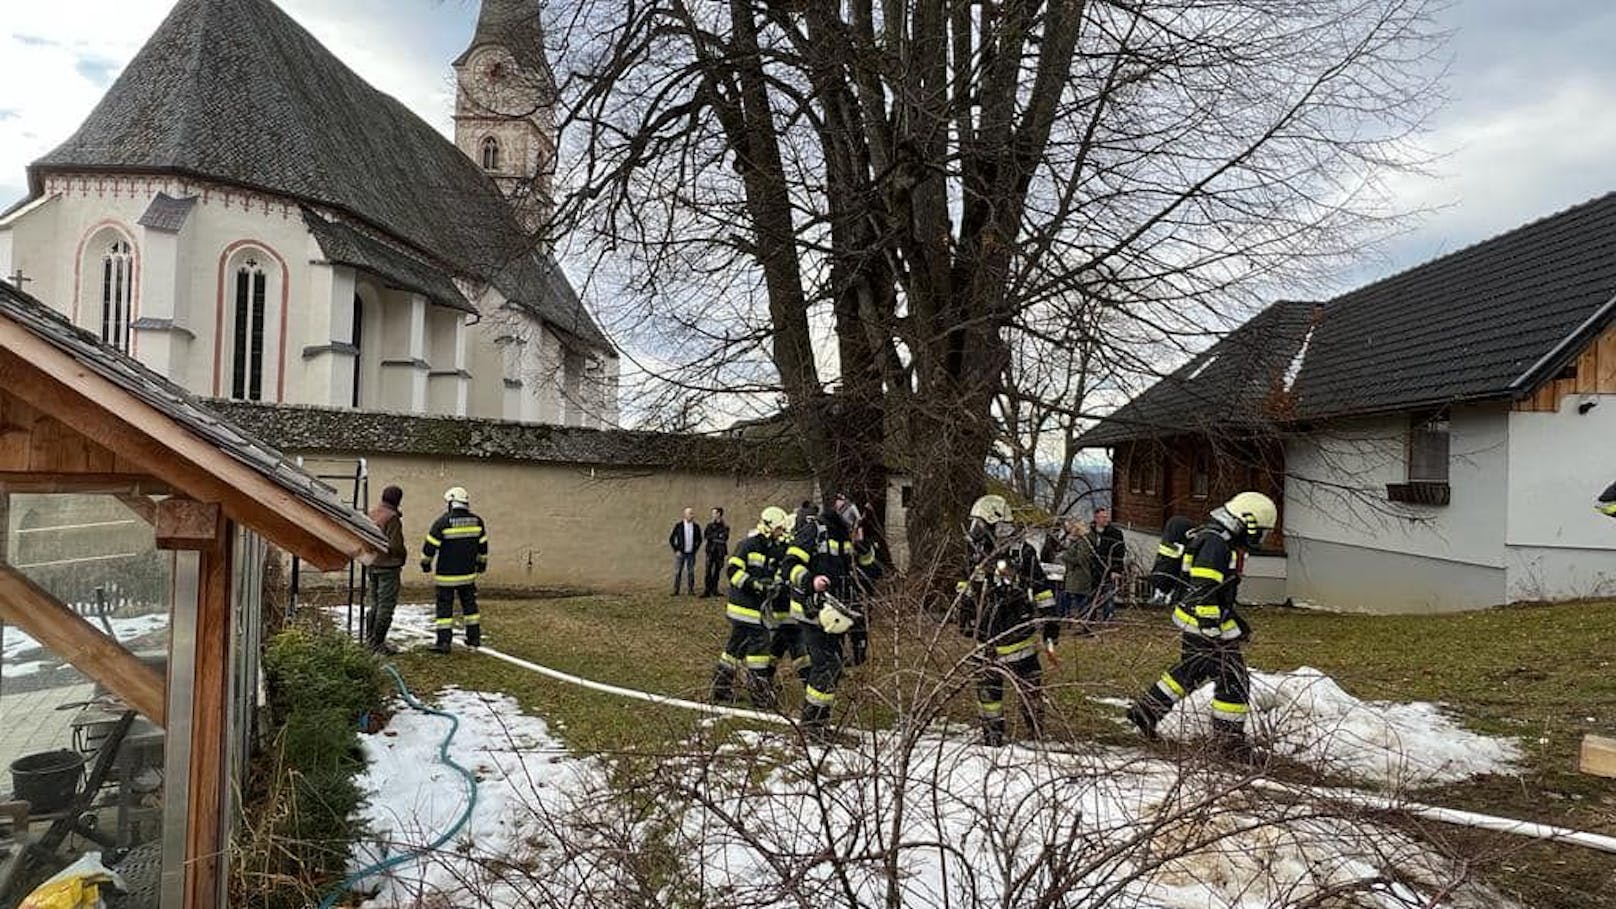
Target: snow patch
[(1306, 716)]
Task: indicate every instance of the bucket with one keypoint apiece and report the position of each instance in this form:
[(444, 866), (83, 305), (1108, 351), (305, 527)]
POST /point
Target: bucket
[(47, 781)]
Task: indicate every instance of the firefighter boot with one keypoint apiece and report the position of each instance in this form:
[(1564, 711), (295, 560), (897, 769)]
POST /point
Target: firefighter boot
[(760, 688), (816, 722), (993, 729), (1230, 742), (1145, 713), (723, 691)]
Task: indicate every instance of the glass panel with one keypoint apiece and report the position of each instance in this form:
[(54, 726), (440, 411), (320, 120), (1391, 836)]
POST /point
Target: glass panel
[(238, 348), (91, 770), (255, 390)]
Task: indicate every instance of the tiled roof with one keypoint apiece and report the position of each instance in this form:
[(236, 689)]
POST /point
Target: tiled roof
[(1238, 382), (182, 407), (1491, 321), (1486, 321), (343, 245), (167, 213), (237, 92)]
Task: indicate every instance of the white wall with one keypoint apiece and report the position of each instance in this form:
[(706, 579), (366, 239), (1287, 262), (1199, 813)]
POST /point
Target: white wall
[(1559, 546)]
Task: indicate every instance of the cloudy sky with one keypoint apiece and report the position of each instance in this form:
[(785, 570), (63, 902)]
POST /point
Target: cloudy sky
[(1529, 129)]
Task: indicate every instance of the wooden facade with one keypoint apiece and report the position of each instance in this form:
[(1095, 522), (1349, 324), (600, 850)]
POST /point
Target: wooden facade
[(1188, 475), (1592, 372)]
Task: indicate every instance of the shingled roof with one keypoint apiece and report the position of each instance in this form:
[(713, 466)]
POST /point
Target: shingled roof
[(235, 91), (1231, 384), (1491, 321), (182, 407)]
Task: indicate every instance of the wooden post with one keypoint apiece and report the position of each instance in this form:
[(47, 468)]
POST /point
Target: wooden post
[(48, 621), (204, 837)]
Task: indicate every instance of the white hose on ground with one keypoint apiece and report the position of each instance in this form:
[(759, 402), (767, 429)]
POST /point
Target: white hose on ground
[(662, 700), (1357, 798), (1453, 816)]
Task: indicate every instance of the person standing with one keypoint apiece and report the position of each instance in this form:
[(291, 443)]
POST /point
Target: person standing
[(1167, 574), (1212, 630), (1078, 559), (685, 541), (818, 566), (386, 570), (752, 587), (1105, 572), (458, 542), (716, 536), (1006, 608)]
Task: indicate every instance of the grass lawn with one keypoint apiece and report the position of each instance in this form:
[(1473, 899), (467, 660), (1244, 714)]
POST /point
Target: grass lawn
[(1543, 674)]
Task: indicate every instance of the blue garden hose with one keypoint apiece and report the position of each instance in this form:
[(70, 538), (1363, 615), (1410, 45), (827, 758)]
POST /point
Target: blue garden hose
[(351, 880)]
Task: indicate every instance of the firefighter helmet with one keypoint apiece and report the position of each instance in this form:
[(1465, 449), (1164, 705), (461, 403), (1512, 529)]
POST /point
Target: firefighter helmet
[(835, 616), (992, 509), (1254, 511), (1607, 501), (774, 521), (457, 496)]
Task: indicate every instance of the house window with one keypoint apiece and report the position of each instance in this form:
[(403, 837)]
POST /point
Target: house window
[(1144, 474), (1428, 451), (1200, 476), (358, 343), (247, 333), (491, 154), (906, 496), (117, 293), (1135, 470)]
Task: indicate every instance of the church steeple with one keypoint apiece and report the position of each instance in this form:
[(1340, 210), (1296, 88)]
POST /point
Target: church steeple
[(505, 105)]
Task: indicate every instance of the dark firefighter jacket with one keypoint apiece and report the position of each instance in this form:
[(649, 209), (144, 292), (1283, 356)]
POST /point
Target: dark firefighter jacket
[(819, 546), (1007, 607), (1169, 566), (1207, 612), (459, 540), (751, 580)]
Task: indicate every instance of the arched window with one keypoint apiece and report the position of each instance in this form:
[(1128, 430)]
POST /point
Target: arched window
[(491, 154), (117, 292), (247, 331)]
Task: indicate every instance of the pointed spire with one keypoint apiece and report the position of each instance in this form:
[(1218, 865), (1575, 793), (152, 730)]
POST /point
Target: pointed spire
[(514, 25)]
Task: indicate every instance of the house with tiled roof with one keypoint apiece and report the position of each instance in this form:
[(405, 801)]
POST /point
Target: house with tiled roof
[(246, 216), (1435, 438)]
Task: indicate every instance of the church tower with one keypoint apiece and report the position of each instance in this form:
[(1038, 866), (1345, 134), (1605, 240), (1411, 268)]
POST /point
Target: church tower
[(505, 106)]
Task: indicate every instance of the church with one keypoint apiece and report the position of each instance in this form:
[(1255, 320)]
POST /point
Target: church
[(245, 215)]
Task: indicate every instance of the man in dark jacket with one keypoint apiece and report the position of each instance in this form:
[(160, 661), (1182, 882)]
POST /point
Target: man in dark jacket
[(716, 536), (386, 569), (458, 541), (1105, 572), (685, 541)]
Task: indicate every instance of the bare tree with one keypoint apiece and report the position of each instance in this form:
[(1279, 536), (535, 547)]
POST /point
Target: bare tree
[(887, 212)]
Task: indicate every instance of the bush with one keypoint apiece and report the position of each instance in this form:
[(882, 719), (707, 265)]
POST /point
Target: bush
[(301, 817)]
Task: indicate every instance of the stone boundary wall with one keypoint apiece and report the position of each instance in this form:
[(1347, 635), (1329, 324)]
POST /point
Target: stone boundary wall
[(565, 506)]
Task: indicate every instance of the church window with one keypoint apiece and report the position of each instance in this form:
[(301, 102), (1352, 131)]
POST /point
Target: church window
[(247, 336), (117, 293), (358, 343), (491, 154)]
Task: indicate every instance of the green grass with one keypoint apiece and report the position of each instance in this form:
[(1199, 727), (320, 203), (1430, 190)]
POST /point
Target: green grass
[(1545, 674)]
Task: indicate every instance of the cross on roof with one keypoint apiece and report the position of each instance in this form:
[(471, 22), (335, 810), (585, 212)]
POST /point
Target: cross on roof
[(18, 279)]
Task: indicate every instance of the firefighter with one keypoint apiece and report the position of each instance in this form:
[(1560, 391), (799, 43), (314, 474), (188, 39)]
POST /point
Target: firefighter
[(1007, 606), (1212, 629), (863, 571), (787, 644), (818, 567), (1167, 574), (1607, 501), (459, 542), (753, 586)]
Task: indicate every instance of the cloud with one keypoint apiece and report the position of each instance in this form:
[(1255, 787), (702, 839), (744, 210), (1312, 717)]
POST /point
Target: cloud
[(96, 69)]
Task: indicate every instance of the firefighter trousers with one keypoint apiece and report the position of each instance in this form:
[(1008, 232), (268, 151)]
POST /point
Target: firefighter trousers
[(788, 646), (824, 671), (444, 621), (746, 650), (1026, 676), (1200, 661)]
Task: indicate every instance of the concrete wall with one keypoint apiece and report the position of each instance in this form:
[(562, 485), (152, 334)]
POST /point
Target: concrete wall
[(560, 524), (1349, 548), (1559, 547)]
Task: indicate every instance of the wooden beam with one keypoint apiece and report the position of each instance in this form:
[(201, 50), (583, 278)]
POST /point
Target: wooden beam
[(65, 632), (82, 483), (36, 371), (143, 507), (186, 524), (1598, 756), (210, 715)]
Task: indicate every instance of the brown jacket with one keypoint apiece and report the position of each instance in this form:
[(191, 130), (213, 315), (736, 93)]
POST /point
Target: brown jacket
[(391, 522)]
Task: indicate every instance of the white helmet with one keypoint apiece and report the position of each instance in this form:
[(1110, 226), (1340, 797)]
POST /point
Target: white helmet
[(457, 497), (835, 616), (1254, 512), (991, 515), (774, 521)]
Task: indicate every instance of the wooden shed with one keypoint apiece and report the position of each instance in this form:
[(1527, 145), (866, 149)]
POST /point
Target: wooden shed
[(81, 418)]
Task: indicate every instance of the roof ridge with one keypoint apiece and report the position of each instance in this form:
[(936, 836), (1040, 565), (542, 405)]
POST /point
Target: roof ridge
[(1473, 247)]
